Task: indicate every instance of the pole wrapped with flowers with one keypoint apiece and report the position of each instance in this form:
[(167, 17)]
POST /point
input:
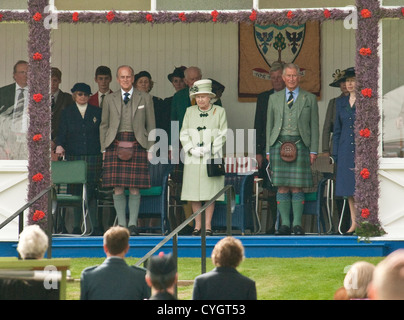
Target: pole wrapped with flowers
[(367, 120), (39, 111)]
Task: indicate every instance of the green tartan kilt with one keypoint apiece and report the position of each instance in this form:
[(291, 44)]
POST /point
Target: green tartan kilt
[(291, 174)]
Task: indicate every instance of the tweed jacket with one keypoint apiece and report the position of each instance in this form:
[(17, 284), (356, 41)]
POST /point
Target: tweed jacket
[(143, 120), (78, 135), (114, 280), (307, 122)]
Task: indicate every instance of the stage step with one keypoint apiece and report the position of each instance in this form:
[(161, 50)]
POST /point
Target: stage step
[(255, 246)]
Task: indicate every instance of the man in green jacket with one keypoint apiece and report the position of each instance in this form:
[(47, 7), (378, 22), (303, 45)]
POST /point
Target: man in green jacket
[(292, 117)]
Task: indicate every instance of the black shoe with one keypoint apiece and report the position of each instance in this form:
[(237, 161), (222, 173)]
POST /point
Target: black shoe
[(133, 231), (196, 232), (283, 231), (76, 230), (351, 233), (298, 231), (96, 232), (186, 231), (209, 233)]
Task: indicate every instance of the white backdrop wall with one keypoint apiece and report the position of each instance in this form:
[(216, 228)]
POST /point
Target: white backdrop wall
[(78, 49)]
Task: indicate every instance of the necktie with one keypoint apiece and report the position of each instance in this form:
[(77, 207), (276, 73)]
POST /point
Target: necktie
[(290, 100), (126, 99), (102, 99), (20, 102), (18, 111), (52, 102)]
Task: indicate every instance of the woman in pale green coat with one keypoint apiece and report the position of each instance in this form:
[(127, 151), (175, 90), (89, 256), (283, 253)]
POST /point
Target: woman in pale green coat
[(202, 136)]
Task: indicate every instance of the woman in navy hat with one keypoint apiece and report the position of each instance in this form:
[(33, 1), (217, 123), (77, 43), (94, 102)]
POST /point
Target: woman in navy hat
[(79, 139), (344, 144)]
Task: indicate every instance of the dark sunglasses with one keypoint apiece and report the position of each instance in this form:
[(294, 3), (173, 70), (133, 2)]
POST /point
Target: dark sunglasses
[(82, 94)]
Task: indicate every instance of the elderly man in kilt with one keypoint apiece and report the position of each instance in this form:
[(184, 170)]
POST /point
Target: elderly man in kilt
[(292, 117), (127, 116)]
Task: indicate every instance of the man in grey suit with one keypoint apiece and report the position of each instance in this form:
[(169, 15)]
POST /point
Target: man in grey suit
[(14, 115), (292, 117), (127, 116), (114, 279)]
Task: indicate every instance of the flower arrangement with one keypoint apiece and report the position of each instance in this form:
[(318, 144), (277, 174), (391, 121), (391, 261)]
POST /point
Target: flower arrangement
[(367, 61)]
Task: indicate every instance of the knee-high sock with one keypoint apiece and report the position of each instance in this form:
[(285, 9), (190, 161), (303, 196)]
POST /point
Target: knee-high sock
[(283, 206), (298, 207), (120, 208), (134, 204)]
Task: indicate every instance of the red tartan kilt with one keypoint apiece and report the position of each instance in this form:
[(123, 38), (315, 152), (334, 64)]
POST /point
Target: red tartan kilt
[(133, 173)]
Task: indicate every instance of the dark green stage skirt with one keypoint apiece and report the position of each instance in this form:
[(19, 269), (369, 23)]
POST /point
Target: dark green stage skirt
[(291, 174)]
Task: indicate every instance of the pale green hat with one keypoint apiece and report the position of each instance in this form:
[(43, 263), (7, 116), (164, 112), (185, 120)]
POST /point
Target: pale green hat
[(202, 87)]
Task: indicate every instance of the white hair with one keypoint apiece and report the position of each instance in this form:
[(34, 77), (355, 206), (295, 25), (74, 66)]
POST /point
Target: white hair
[(33, 243)]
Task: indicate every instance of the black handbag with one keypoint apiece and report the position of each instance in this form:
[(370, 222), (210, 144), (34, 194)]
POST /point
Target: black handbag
[(215, 167)]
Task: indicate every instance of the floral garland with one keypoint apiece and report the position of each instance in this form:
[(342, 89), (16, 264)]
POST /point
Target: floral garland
[(39, 111), (367, 61)]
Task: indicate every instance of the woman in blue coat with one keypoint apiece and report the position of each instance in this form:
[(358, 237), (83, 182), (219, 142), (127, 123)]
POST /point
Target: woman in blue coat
[(79, 139), (344, 145)]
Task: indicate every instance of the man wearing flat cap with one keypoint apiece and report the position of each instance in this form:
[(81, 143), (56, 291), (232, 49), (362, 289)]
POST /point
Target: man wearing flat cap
[(162, 276)]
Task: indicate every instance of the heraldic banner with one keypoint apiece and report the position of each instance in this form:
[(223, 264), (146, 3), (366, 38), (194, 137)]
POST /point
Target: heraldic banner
[(262, 45)]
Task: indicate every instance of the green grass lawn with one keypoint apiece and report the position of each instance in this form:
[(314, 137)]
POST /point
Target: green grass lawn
[(276, 278)]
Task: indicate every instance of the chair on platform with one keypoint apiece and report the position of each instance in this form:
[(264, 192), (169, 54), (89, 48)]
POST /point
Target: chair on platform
[(153, 201), (243, 215), (70, 173)]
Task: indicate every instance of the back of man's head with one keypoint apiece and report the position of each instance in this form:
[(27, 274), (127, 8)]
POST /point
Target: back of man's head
[(388, 278), (116, 240)]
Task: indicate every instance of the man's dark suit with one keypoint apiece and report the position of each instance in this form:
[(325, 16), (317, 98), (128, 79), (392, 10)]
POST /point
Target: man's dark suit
[(7, 96), (63, 100), (260, 121), (224, 283), (114, 280)]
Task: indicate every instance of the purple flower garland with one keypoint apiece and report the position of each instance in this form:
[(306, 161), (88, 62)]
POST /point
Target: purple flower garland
[(39, 110), (367, 62)]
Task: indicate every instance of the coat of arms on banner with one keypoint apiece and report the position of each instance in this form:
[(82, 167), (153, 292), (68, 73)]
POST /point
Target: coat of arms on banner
[(279, 43), (262, 45)]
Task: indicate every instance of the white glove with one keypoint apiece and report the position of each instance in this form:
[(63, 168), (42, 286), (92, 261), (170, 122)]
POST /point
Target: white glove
[(205, 150), (196, 152)]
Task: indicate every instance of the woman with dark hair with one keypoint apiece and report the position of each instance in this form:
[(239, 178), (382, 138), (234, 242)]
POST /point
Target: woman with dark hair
[(344, 145)]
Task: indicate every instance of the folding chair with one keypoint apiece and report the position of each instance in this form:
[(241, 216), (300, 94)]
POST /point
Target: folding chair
[(70, 172)]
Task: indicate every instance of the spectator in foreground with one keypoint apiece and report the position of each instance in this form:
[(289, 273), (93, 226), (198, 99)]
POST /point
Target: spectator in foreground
[(114, 279), (33, 243), (357, 280), (225, 282), (388, 278), (162, 277)]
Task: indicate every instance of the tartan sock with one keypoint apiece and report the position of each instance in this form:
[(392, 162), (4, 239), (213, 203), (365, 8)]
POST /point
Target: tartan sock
[(120, 208), (298, 206), (134, 204), (283, 206)]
